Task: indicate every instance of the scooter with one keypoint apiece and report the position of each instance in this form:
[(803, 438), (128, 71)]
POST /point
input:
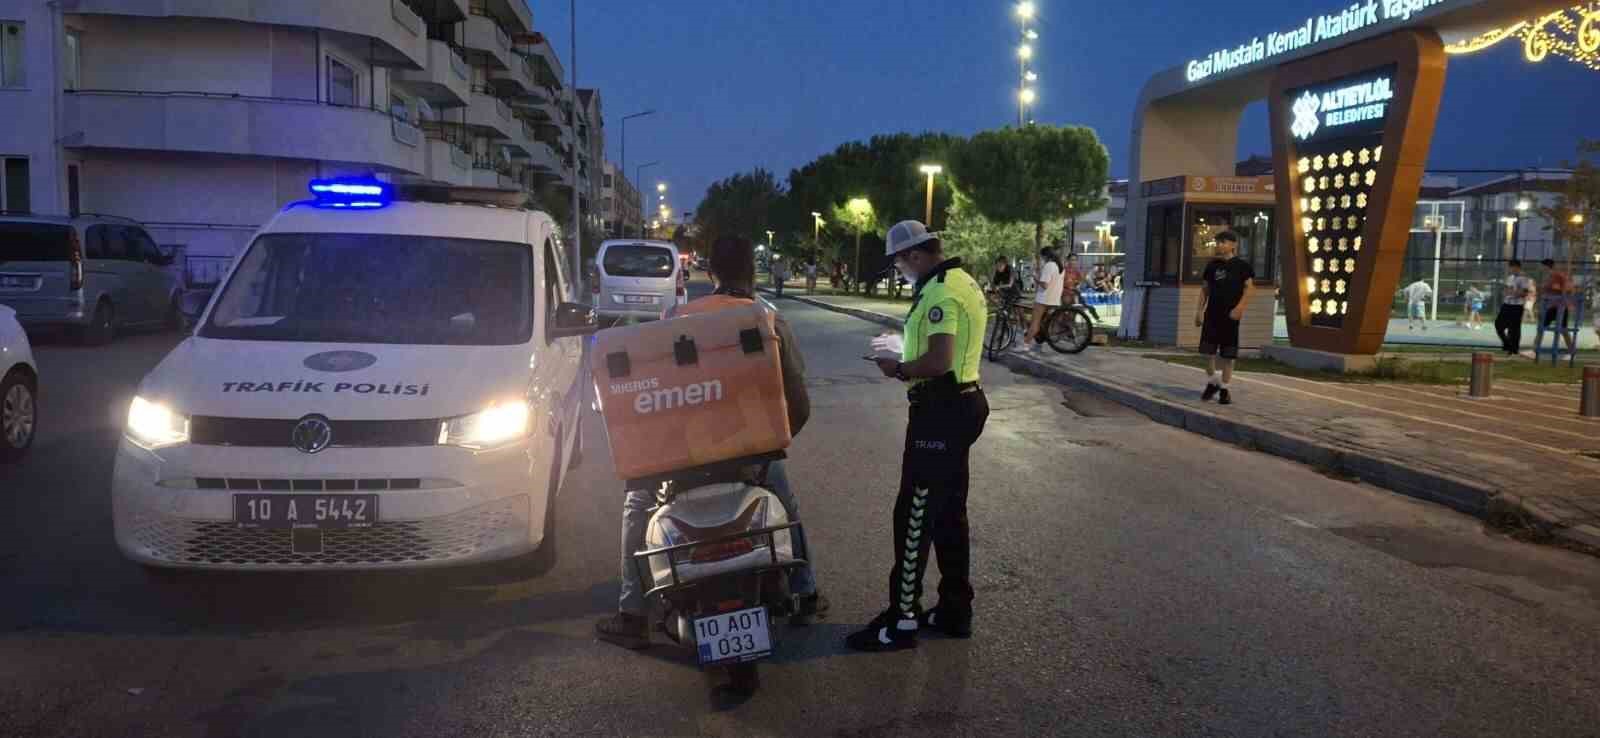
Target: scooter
[(718, 556)]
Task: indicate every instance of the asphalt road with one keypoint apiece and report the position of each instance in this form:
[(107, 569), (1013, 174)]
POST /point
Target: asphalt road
[(1132, 580)]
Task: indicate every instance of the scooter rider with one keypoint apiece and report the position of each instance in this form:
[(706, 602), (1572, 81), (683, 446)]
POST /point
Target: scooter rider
[(733, 268), (943, 348)]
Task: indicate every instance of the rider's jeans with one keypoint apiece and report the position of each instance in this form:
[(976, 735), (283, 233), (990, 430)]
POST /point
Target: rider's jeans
[(636, 516)]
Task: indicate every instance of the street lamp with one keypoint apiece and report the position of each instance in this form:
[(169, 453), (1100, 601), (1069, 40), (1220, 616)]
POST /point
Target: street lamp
[(1029, 76), (661, 187), (625, 146), (860, 209), (1025, 51), (930, 170), (1028, 96), (1026, 9), (1030, 34), (640, 180)]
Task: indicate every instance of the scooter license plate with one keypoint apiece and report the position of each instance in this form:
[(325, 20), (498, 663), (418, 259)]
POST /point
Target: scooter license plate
[(740, 635)]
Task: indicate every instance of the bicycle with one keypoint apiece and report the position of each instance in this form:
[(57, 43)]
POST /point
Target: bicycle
[(1067, 328)]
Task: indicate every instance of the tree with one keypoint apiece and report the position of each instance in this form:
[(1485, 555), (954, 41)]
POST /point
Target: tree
[(858, 217), (979, 241), (1574, 213), (1037, 175), (742, 205)]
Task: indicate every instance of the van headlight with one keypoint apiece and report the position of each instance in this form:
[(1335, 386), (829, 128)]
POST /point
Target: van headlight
[(496, 425), (153, 425)]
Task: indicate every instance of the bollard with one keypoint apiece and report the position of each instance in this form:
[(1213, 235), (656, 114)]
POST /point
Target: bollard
[(1589, 405), (1482, 375)]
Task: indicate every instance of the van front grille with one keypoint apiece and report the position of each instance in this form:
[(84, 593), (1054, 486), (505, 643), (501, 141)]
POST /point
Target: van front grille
[(274, 433)]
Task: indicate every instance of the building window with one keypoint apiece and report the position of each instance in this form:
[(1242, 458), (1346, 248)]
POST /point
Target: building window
[(1164, 243), (608, 181), (74, 194), (399, 107), (72, 62), (14, 185), (343, 83), (12, 72)]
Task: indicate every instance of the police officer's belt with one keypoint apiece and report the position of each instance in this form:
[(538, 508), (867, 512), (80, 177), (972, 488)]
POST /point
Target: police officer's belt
[(939, 388)]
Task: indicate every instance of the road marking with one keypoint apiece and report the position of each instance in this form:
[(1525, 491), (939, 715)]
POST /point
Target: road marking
[(1299, 522), (1499, 407)]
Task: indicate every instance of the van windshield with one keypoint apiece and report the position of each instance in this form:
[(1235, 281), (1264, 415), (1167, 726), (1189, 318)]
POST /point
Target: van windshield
[(35, 242), (368, 288), (638, 260)]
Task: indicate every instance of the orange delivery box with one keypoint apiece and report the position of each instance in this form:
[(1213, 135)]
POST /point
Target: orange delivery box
[(692, 390)]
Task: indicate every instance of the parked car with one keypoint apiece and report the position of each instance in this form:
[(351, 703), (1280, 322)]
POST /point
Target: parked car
[(638, 279), (91, 274), (387, 379), (19, 389)]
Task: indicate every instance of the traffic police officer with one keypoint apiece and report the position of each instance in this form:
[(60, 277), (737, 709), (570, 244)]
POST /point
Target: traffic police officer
[(943, 348)]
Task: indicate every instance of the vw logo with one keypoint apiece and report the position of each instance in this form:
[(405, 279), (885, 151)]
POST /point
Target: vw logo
[(340, 361), (312, 434)]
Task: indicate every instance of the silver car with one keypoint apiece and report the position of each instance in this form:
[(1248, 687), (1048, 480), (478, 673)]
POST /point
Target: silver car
[(637, 279), (90, 274)]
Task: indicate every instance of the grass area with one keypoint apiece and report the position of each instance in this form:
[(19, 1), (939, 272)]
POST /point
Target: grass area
[(1409, 371)]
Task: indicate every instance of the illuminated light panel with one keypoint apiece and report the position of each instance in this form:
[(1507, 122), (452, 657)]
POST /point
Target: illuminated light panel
[(1311, 185), (1305, 203), (1344, 202), (1316, 204), (1338, 182), (1333, 265), (1365, 157), (1326, 285), (1311, 284), (1361, 200), (1344, 244), (1305, 165), (1351, 222), (1316, 265), (1323, 183), (1317, 163), (1331, 202), (1350, 265), (1339, 286), (1573, 34), (1357, 244), (1305, 224), (1322, 224), (1316, 307), (1344, 307), (1349, 158), (1377, 154), (1313, 243), (1338, 224)]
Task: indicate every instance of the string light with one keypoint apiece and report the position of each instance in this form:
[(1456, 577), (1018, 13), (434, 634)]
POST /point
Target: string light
[(1573, 34)]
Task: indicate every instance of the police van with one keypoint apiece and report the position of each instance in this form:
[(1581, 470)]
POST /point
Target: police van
[(388, 377)]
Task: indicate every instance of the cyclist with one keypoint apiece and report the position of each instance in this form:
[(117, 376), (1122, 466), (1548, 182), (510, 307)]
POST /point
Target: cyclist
[(1047, 297)]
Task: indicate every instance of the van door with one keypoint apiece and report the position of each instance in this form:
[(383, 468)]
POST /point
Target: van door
[(154, 282), (109, 271), (638, 276)]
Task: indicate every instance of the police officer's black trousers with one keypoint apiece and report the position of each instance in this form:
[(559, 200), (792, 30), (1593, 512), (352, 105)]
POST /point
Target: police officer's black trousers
[(932, 507)]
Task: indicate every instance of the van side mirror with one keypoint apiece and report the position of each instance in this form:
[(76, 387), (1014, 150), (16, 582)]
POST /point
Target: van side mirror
[(573, 319)]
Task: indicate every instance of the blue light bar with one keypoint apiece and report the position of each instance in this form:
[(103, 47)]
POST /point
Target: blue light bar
[(351, 193)]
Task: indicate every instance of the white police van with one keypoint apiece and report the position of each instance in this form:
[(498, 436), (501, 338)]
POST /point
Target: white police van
[(387, 378)]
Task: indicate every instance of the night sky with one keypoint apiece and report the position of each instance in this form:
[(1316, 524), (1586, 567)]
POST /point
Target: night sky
[(743, 83)]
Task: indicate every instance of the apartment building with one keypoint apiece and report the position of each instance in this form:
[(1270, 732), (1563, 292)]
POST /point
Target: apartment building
[(203, 118), (619, 204)]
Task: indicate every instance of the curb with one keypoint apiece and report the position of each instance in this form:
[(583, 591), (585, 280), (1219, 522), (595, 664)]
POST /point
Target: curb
[(1458, 493)]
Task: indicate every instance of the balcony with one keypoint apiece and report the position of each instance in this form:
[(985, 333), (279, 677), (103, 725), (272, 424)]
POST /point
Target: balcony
[(445, 82), (488, 43), (397, 32), (240, 126), (517, 79), (486, 173), (490, 115), (549, 71), (448, 162)]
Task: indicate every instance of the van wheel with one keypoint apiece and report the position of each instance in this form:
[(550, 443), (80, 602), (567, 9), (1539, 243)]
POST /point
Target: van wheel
[(102, 327), (19, 415)]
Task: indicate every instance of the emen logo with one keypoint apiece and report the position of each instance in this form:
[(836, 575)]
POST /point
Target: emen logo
[(667, 398)]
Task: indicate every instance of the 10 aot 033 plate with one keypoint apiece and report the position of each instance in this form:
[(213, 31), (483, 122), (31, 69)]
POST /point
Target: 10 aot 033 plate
[(741, 635), (318, 511)]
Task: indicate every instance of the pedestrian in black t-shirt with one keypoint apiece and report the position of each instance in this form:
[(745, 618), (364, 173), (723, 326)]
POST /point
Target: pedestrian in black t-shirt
[(1228, 281)]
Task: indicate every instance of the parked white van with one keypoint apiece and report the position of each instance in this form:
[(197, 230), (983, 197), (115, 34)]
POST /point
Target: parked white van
[(379, 382)]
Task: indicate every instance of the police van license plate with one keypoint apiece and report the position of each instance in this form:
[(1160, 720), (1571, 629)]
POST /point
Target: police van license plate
[(741, 635), (322, 512)]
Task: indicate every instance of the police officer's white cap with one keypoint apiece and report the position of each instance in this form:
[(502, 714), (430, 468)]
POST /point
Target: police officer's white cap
[(907, 234)]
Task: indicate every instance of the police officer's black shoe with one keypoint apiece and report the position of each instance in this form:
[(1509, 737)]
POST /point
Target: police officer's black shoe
[(624, 629), (1224, 398), (948, 621), (1211, 391), (887, 632)]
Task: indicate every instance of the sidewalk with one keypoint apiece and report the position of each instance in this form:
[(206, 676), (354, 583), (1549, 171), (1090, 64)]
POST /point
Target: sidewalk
[(1524, 453)]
